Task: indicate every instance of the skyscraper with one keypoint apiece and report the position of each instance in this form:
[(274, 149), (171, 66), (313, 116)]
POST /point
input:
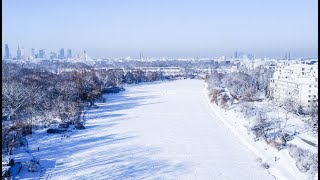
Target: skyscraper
[(69, 55), (85, 55), (42, 53), (285, 56), (32, 53), (7, 52), (235, 55), (18, 53), (22, 53), (61, 53), (53, 55)]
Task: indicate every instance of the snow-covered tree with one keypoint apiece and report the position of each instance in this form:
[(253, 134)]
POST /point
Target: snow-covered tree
[(238, 85), (35, 96), (13, 98), (314, 115)]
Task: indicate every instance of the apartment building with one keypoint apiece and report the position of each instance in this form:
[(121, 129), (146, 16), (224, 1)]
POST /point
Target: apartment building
[(297, 81)]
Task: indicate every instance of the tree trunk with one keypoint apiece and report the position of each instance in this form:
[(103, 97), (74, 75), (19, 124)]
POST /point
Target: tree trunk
[(12, 144)]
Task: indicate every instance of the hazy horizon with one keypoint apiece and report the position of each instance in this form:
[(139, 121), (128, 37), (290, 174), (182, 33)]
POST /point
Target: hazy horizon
[(163, 28)]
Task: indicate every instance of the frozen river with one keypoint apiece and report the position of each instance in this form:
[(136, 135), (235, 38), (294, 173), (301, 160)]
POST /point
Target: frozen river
[(161, 130)]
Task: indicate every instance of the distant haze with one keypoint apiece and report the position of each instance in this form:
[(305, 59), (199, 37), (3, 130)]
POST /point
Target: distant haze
[(163, 28)]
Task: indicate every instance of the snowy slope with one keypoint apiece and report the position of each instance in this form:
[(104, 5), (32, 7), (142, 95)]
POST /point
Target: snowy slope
[(285, 167), (162, 130)]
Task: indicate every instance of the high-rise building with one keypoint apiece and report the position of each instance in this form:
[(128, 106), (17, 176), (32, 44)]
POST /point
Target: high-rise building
[(285, 56), (69, 55), (18, 53), (32, 53), (53, 55), (61, 53), (7, 52), (42, 53), (250, 56), (235, 55), (85, 56), (22, 53)]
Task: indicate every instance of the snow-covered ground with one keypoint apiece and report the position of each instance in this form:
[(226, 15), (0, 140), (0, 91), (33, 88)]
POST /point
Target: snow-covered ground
[(283, 168), (161, 130)]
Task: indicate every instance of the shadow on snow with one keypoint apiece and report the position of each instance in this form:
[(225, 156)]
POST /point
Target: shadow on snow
[(94, 154)]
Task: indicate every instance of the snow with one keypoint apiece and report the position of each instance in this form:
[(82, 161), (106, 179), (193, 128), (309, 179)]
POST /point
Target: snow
[(161, 130), (285, 167)]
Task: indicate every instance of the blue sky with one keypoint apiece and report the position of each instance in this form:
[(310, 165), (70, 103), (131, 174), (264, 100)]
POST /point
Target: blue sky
[(166, 28)]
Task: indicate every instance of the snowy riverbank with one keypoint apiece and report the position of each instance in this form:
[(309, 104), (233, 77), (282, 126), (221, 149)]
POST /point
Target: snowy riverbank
[(282, 165)]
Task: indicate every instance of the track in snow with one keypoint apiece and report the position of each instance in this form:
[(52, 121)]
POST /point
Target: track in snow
[(161, 130)]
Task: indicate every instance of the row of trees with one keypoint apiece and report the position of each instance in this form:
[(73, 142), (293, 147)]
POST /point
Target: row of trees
[(117, 77), (34, 96), (244, 86)]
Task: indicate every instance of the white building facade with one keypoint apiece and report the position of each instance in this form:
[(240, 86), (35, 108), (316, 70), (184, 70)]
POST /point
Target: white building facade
[(298, 82)]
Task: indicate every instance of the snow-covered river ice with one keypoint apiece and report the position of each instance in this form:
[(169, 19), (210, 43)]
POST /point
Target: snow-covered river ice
[(160, 130)]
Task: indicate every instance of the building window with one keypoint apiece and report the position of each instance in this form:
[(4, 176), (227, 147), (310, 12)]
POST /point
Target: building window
[(314, 96), (309, 101), (302, 69), (309, 86), (309, 96), (315, 86), (302, 73), (309, 91)]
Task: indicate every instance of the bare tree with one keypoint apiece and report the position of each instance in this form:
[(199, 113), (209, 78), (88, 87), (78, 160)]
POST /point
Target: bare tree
[(224, 101), (214, 94), (314, 114), (13, 97), (238, 85), (66, 100), (246, 109), (290, 105), (34, 95), (262, 126), (249, 94)]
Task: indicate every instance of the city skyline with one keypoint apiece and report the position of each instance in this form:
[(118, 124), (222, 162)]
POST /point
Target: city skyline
[(62, 54), (164, 29), (20, 53)]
